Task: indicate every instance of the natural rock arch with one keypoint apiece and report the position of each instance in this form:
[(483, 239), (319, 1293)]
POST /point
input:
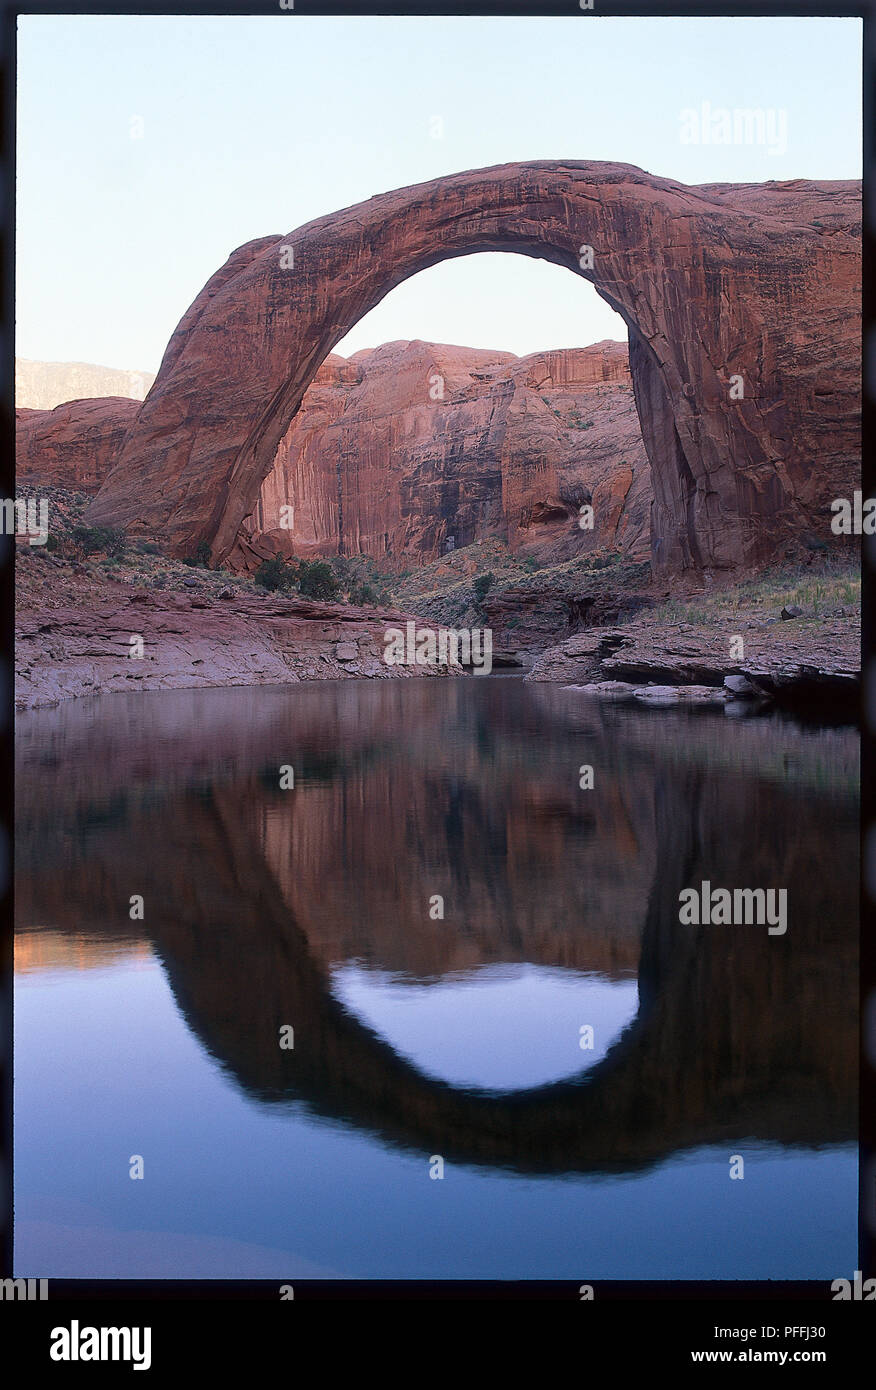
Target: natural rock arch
[(759, 282)]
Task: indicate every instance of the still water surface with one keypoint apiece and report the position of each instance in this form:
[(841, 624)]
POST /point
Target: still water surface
[(418, 1037)]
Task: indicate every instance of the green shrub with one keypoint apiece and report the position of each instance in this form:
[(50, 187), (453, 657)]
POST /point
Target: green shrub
[(363, 593), (275, 574), (576, 423), (90, 540), (316, 579), (201, 555), (482, 585)]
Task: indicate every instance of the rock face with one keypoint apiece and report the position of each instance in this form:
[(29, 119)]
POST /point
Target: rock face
[(43, 385), (406, 449), (74, 445), (63, 652), (528, 620), (820, 667), (742, 304)]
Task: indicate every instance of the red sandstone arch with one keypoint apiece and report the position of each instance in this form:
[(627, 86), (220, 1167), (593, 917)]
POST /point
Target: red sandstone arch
[(758, 281)]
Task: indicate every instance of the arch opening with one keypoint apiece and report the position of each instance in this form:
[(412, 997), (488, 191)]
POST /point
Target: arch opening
[(493, 423), (256, 460), (498, 1028)]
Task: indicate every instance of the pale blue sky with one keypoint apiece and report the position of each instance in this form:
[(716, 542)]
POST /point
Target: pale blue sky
[(254, 126)]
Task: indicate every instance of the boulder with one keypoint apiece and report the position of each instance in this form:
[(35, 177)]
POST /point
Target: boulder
[(661, 695), (740, 686)]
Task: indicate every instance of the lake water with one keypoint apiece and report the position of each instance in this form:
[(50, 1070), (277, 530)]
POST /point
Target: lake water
[(483, 971)]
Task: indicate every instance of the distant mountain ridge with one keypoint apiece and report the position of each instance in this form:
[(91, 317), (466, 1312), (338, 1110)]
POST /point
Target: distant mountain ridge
[(43, 385)]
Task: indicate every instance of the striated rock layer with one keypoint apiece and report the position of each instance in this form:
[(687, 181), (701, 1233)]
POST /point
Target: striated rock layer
[(749, 289), (818, 667), (63, 652), (405, 450), (74, 445)]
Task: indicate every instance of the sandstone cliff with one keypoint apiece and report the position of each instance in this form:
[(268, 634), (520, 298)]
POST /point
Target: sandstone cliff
[(405, 450), (74, 445)]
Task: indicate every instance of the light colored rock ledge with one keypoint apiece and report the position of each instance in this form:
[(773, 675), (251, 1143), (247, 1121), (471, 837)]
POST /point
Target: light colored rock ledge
[(65, 652)]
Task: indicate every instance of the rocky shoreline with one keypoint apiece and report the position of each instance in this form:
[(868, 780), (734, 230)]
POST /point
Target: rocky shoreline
[(115, 637), (138, 619), (91, 648), (798, 664)]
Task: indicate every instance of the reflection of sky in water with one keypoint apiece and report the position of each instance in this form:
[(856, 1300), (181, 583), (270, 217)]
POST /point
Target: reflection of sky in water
[(503, 1027), (106, 1067)]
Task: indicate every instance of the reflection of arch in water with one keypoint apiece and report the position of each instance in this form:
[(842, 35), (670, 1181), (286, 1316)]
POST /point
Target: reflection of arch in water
[(705, 1061), (506, 1026), (736, 1038)]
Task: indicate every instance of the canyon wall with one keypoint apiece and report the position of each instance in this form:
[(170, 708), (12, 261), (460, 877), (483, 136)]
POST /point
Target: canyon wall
[(409, 449), (405, 450), (74, 445)]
